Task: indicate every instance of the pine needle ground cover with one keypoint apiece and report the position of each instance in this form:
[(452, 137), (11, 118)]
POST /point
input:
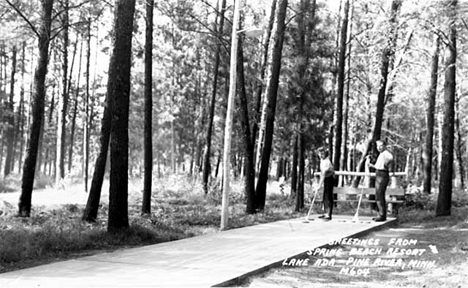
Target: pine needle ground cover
[(180, 209)]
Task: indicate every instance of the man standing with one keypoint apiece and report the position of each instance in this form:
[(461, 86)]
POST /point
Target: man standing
[(383, 166)]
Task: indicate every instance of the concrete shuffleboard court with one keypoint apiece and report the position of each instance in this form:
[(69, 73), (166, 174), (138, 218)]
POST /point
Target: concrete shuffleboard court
[(217, 259)]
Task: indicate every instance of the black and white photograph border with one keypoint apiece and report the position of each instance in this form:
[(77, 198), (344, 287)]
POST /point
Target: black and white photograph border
[(233, 143)]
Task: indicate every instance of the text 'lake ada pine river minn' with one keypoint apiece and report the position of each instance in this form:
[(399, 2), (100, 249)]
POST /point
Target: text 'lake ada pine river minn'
[(396, 252)]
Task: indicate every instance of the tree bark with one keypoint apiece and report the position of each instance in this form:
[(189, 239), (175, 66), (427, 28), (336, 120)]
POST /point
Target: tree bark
[(444, 200), (11, 116), (387, 57), (148, 153), (295, 157), (271, 97), (87, 116), (21, 111), (62, 124), (48, 158), (75, 112), (300, 174), (246, 135), (209, 132), (260, 114), (306, 27), (430, 120), (344, 145), (38, 100), (459, 147), (92, 205), (340, 94), (119, 90), (2, 116)]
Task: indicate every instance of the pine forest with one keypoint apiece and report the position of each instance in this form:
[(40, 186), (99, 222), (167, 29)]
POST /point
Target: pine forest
[(224, 91)]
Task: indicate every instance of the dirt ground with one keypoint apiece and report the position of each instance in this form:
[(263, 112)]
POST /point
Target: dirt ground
[(413, 256)]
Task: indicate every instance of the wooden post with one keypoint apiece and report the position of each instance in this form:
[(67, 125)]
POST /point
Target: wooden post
[(367, 177), (393, 184), (229, 120)]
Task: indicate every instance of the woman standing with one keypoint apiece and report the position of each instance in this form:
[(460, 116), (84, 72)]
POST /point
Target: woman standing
[(327, 174)]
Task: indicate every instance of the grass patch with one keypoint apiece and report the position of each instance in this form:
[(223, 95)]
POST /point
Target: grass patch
[(61, 234), (180, 209)]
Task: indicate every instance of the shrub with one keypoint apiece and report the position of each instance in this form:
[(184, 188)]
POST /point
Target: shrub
[(10, 183), (43, 181), (460, 198), (420, 200), (417, 199)]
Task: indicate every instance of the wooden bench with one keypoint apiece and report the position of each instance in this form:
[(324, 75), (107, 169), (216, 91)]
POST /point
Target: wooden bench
[(394, 195)]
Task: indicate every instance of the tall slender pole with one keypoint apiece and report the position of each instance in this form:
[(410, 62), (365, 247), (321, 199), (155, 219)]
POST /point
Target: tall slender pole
[(229, 116)]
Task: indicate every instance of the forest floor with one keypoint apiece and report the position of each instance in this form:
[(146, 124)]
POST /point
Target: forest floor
[(180, 209)]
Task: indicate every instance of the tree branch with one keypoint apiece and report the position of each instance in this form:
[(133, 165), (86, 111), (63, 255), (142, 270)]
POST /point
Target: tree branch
[(71, 8), (464, 23), (65, 27), (24, 17)]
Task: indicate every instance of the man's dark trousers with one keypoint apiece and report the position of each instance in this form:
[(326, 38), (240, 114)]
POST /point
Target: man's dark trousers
[(381, 181), (328, 200)]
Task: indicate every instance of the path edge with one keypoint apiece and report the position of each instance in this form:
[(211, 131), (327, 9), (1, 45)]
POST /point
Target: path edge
[(236, 281)]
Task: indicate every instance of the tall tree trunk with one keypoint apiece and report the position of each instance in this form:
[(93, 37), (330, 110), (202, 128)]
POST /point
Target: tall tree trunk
[(46, 141), (344, 161), (246, 135), (263, 68), (459, 147), (148, 173), (444, 200), (2, 90), (387, 57), (430, 119), (19, 122), (92, 205), (21, 112), (440, 124), (2, 80), (173, 160), (87, 116), (11, 116), (54, 103), (295, 157), (62, 119), (301, 173), (271, 97), (38, 100), (40, 155), (75, 111), (340, 94), (209, 132), (280, 168), (306, 26), (119, 87)]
